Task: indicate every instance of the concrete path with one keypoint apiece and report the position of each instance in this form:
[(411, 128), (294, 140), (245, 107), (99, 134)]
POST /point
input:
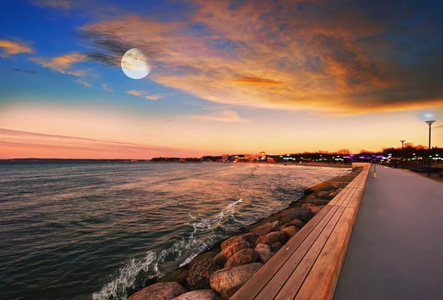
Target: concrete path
[(396, 247)]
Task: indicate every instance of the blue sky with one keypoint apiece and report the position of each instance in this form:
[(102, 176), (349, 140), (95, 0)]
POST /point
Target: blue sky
[(227, 76)]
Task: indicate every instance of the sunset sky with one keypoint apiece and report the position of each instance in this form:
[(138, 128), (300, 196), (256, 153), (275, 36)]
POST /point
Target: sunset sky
[(227, 77)]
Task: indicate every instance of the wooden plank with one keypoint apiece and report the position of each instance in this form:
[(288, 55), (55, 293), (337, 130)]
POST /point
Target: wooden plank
[(297, 278), (322, 280), (254, 285), (278, 280)]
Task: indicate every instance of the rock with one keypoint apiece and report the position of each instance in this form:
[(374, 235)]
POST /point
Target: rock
[(297, 223), (247, 237), (303, 214), (290, 231), (220, 259), (227, 278), (199, 295), (266, 228), (199, 274), (159, 291), (178, 275), (230, 292), (325, 196), (234, 248), (316, 209), (243, 257), (199, 257), (276, 246), (264, 251), (272, 237)]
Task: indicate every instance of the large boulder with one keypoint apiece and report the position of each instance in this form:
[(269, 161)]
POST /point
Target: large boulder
[(264, 251), (303, 214), (243, 257), (209, 254), (266, 228), (297, 223), (227, 278), (199, 274), (272, 237), (290, 231), (159, 291), (178, 275), (199, 295), (247, 237)]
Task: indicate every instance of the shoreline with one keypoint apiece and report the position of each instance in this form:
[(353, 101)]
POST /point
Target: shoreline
[(237, 251)]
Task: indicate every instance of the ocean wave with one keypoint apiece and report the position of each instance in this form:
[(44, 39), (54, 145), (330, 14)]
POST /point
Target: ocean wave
[(205, 233)]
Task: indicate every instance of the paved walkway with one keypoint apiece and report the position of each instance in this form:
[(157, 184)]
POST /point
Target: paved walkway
[(396, 247)]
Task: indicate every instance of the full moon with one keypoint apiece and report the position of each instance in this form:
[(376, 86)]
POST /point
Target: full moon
[(135, 64)]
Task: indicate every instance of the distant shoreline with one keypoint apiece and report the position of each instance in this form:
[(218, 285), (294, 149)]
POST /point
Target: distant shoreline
[(79, 160)]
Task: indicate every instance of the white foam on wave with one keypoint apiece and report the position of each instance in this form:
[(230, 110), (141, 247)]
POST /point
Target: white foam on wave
[(152, 262)]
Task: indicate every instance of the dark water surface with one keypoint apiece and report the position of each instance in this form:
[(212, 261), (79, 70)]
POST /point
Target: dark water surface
[(91, 230)]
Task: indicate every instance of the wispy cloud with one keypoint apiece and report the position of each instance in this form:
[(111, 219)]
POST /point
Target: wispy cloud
[(84, 83), (9, 48), (63, 64), (145, 95), (289, 55), (221, 116), (25, 71), (30, 142), (66, 4), (106, 88)]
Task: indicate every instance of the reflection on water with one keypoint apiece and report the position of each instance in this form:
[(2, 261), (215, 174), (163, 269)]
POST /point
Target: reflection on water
[(91, 230)]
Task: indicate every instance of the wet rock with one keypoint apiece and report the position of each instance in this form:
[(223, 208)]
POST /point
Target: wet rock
[(220, 259), (264, 251), (272, 237), (243, 257), (276, 246), (247, 237), (159, 291), (290, 231), (202, 256), (199, 274), (303, 214), (178, 275), (266, 228), (297, 223), (326, 196), (227, 278), (199, 295), (230, 292)]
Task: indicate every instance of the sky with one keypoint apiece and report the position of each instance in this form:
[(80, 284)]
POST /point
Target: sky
[(226, 77)]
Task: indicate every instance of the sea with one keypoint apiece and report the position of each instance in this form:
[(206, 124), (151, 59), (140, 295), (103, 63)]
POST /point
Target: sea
[(100, 230)]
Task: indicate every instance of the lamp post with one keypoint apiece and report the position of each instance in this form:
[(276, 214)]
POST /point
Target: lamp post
[(429, 122), (402, 141)]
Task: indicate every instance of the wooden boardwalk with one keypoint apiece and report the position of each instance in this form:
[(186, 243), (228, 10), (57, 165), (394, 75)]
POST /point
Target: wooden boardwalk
[(308, 265)]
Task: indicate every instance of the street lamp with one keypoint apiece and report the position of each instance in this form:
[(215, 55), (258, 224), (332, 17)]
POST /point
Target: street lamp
[(429, 122), (402, 141)]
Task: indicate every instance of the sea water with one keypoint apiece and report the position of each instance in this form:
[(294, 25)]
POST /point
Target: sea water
[(101, 230)]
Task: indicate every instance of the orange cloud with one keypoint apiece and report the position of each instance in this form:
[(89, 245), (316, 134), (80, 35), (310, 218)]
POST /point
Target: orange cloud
[(10, 48), (63, 64), (135, 93), (255, 80), (320, 59)]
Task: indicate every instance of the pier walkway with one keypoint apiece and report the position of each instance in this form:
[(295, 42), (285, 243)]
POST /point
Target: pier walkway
[(396, 248), (308, 265)]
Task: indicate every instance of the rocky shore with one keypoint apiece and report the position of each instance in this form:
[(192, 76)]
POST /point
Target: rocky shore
[(221, 271)]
